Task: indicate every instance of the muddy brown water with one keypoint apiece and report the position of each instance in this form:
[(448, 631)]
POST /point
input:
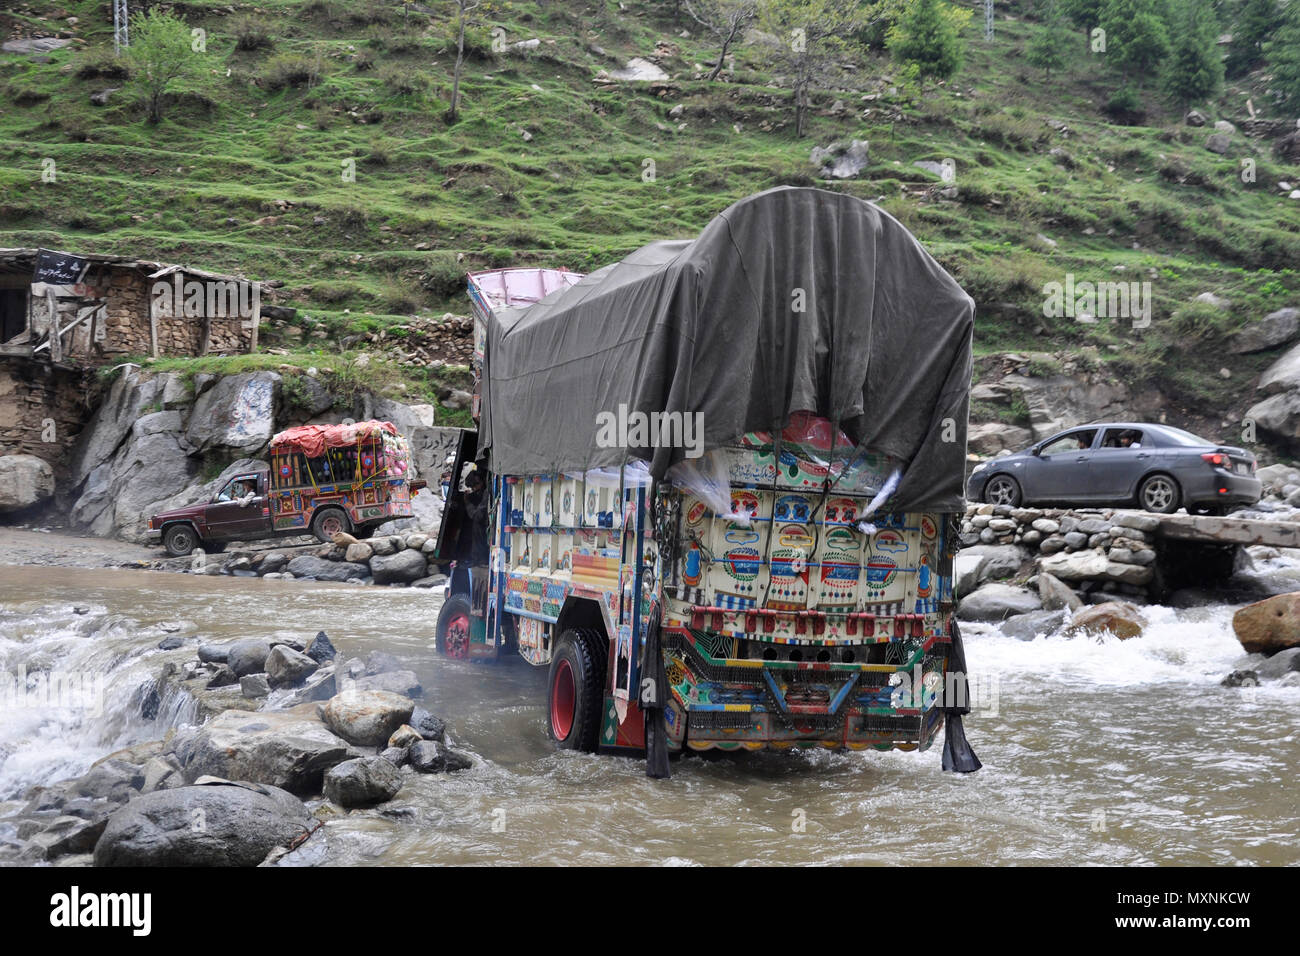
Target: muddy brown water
[(1094, 753)]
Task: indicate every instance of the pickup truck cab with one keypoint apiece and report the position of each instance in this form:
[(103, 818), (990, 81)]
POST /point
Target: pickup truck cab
[(237, 512)]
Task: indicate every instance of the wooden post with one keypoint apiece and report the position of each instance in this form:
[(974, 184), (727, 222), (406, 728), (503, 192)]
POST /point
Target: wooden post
[(153, 327), (207, 333), (256, 319), (56, 337)]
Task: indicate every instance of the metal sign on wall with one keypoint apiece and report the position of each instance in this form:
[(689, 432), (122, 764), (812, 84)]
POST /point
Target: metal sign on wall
[(59, 268)]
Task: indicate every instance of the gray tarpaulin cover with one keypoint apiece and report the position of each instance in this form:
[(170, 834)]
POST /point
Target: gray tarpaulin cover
[(882, 345)]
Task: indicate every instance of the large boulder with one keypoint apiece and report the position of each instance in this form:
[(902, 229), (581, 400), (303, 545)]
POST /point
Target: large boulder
[(1278, 415), (1000, 560), (1283, 375), (402, 682), (994, 602), (25, 480), (321, 569), (1276, 328), (366, 718), (362, 782), (1120, 618), (1269, 626), (236, 415), (966, 573), (228, 824), (290, 749), (1026, 627), (992, 437), (400, 568), (841, 160)]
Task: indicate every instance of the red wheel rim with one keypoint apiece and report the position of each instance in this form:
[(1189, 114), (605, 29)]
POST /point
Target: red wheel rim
[(456, 641), (331, 525), (563, 701)]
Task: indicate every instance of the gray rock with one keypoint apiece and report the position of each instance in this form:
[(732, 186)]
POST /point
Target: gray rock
[(383, 546), (841, 160), (1055, 594), (1276, 328), (1218, 143), (253, 686), (380, 662), (366, 717), (310, 566), (1027, 627), (394, 755), (428, 726), (232, 824), (273, 562), (214, 653), (1240, 679), (429, 756), (995, 602), (170, 643), (1279, 664), (162, 773), (320, 649), (68, 834), (1076, 540), (404, 736), (362, 782), (1135, 519), (111, 779), (400, 568), (402, 682), (1051, 545), (966, 572), (224, 677), (288, 668), (237, 414), (1091, 526), (1075, 566), (25, 480), (248, 656), (320, 686), (1000, 561), (288, 749)]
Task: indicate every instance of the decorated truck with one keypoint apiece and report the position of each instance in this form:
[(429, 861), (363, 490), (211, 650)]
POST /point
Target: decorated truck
[(718, 483), (322, 479)]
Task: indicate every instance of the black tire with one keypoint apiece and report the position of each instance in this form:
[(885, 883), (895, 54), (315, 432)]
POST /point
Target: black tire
[(577, 663), (180, 540), (1002, 490), (1159, 493), (454, 609), (327, 517)]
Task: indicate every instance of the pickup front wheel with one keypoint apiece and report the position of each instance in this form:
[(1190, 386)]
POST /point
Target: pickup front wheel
[(180, 540)]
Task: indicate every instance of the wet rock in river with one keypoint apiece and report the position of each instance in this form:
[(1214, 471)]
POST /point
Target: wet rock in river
[(380, 662), (170, 643), (397, 682), (241, 824), (994, 602), (286, 667), (400, 568), (310, 566), (427, 725), (254, 686), (320, 649), (1280, 664), (1270, 625), (404, 736), (362, 782), (1240, 679), (429, 756), (214, 653), (224, 677), (289, 749), (364, 717), (1026, 627), (248, 656), (319, 686), (272, 562), (1056, 594), (1120, 618)]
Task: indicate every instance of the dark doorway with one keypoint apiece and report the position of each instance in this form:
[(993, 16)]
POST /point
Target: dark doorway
[(13, 313)]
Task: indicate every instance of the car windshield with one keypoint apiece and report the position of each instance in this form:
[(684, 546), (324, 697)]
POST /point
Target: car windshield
[(1181, 437)]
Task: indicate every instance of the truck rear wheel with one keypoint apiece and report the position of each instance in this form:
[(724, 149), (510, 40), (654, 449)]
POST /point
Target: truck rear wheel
[(453, 628), (576, 697), (325, 524), (180, 540)]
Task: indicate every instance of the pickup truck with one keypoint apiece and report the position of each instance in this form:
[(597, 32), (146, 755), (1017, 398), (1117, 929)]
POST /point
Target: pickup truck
[(323, 479)]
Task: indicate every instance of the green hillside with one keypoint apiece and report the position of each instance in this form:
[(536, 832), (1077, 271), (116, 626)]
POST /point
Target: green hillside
[(546, 165)]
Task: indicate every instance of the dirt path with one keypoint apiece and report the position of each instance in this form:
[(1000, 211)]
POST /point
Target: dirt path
[(26, 546)]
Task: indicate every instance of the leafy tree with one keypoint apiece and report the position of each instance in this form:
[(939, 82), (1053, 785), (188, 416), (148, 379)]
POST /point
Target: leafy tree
[(726, 20), (162, 59), (812, 38), (1082, 13), (1194, 70), (1137, 39), (1255, 24), (1283, 53), (1049, 48), (926, 39)]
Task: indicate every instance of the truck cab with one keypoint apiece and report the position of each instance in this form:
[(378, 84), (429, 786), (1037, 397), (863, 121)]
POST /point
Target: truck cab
[(237, 512)]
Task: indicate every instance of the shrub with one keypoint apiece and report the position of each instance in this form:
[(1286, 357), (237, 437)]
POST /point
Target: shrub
[(290, 70), (251, 34)]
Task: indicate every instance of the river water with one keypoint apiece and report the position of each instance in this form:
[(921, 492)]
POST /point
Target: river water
[(1094, 753)]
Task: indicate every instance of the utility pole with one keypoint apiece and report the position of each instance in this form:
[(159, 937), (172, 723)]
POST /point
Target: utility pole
[(988, 20), (120, 39)]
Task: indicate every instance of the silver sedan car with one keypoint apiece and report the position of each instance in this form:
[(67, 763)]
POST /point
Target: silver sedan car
[(1155, 467)]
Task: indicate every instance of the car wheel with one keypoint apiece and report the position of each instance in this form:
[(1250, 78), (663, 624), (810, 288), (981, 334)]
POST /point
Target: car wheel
[(1160, 494), (180, 540), (576, 697), (1002, 490), (326, 524), (453, 628)]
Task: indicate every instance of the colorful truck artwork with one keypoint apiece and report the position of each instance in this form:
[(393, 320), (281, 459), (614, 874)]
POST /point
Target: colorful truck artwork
[(322, 479), (790, 588)]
